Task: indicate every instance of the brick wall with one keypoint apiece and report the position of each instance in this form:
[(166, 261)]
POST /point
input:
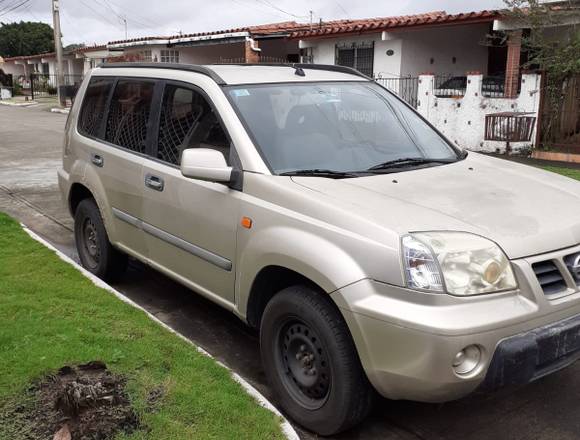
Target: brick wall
[(512, 71)]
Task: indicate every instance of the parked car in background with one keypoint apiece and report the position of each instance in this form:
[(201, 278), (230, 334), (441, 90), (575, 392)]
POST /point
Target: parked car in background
[(370, 252)]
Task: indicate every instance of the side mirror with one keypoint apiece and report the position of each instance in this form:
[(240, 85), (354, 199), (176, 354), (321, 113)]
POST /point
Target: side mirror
[(205, 164)]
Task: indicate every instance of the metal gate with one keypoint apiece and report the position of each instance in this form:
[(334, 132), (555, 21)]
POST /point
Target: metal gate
[(42, 85), (560, 115), (407, 88)]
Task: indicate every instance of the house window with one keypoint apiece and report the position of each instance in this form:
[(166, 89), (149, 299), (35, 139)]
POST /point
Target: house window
[(169, 56), (357, 55), (145, 56)]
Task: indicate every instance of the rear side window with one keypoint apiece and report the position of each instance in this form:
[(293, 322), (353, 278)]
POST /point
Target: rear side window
[(129, 113), (94, 103), (187, 120)]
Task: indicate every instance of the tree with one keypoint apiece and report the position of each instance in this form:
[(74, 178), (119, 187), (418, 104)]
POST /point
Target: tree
[(25, 38), (553, 45)]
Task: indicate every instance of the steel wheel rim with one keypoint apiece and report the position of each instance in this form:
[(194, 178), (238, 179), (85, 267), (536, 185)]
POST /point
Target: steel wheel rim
[(90, 244), (302, 360)]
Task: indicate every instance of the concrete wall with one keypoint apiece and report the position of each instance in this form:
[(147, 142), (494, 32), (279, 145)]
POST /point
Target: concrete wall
[(442, 45), (10, 68), (323, 51), (195, 54), (462, 120), (414, 49)]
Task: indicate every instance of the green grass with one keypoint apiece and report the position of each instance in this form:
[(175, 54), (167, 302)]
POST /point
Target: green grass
[(51, 316), (569, 172)]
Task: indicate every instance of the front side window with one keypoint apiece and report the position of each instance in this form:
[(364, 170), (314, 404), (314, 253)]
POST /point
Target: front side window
[(129, 113), (92, 111), (188, 121), (170, 56), (344, 127)]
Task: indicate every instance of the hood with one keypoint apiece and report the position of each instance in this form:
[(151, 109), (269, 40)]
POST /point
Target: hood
[(525, 210)]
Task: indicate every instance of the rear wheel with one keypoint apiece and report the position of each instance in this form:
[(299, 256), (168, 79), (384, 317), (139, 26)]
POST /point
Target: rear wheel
[(311, 362), (96, 253)]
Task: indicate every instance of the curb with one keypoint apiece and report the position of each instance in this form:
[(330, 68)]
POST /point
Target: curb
[(18, 104), (64, 111), (285, 425)]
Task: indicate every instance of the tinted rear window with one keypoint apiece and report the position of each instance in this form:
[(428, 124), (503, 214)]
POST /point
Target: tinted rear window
[(94, 104)]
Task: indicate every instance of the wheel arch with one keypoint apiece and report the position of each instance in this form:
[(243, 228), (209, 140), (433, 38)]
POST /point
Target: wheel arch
[(267, 283)]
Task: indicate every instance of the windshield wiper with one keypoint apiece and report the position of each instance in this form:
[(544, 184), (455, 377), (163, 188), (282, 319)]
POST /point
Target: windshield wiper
[(408, 161), (319, 172)]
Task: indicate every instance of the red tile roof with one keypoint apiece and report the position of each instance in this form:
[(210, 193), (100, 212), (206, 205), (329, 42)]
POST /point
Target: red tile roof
[(437, 18)]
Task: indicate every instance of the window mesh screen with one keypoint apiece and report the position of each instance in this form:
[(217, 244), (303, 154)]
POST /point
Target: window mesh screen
[(93, 108), (187, 121), (129, 115)]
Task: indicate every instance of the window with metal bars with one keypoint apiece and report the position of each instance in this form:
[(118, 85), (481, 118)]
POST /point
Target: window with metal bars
[(169, 56), (357, 55), (188, 121), (129, 112), (93, 109)]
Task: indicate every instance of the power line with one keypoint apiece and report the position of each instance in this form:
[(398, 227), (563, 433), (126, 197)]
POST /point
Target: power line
[(342, 8), (267, 3), (19, 5)]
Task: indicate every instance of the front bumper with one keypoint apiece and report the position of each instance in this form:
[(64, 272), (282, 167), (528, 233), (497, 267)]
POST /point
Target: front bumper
[(529, 356), (407, 341)]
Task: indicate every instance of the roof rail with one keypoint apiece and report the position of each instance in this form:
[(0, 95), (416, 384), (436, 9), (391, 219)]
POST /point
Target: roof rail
[(331, 68), (328, 67), (173, 66)]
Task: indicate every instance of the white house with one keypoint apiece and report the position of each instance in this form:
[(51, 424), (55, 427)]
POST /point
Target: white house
[(263, 43)]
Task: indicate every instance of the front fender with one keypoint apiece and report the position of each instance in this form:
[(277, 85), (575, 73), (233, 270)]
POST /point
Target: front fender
[(312, 256)]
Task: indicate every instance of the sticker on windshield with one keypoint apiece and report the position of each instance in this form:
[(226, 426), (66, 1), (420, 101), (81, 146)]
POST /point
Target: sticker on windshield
[(240, 92)]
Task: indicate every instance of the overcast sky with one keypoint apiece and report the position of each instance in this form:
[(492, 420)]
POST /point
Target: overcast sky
[(100, 21)]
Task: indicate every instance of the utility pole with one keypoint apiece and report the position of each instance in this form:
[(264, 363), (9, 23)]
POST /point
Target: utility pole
[(126, 33), (58, 50), (311, 18)]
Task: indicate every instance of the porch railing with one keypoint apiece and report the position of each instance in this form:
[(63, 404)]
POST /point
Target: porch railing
[(407, 88)]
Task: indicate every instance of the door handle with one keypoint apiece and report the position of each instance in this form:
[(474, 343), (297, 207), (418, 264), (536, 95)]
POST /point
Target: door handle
[(154, 182), (97, 160)]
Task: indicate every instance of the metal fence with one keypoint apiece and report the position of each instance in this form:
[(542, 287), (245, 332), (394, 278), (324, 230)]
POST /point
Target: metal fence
[(45, 85), (449, 86), (407, 88)]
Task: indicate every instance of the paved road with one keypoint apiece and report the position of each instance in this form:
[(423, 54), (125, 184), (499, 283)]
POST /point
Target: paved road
[(30, 148)]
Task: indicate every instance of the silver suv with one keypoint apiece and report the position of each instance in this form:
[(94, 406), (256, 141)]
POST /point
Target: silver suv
[(370, 252)]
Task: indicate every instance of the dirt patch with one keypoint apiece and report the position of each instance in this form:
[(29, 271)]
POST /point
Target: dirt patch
[(84, 402)]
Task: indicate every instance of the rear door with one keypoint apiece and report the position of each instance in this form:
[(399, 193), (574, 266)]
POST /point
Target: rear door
[(115, 143), (190, 224)]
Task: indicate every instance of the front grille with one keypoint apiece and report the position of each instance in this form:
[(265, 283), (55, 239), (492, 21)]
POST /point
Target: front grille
[(549, 277), (573, 264)]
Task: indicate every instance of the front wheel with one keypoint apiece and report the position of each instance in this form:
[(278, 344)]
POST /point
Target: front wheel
[(311, 362), (96, 253)]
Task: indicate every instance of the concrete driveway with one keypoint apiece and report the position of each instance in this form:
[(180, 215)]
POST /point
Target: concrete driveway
[(30, 149)]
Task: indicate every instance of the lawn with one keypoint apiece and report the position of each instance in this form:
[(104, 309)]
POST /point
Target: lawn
[(51, 316), (569, 172)]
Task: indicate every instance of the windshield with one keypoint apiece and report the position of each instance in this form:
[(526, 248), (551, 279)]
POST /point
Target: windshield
[(337, 127)]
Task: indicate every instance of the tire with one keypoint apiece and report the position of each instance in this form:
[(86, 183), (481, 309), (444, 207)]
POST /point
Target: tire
[(311, 362), (95, 251)]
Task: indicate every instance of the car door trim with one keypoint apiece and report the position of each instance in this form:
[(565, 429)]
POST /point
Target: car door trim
[(204, 254)]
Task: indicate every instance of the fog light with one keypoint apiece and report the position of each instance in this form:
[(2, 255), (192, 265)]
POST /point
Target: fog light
[(467, 360)]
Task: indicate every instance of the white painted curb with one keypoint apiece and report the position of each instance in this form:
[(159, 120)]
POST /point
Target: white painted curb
[(18, 104), (64, 111), (287, 428)]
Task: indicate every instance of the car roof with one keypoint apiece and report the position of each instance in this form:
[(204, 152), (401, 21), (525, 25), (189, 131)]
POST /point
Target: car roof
[(232, 74)]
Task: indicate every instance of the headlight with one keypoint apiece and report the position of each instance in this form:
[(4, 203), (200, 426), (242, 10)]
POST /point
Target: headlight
[(457, 262)]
